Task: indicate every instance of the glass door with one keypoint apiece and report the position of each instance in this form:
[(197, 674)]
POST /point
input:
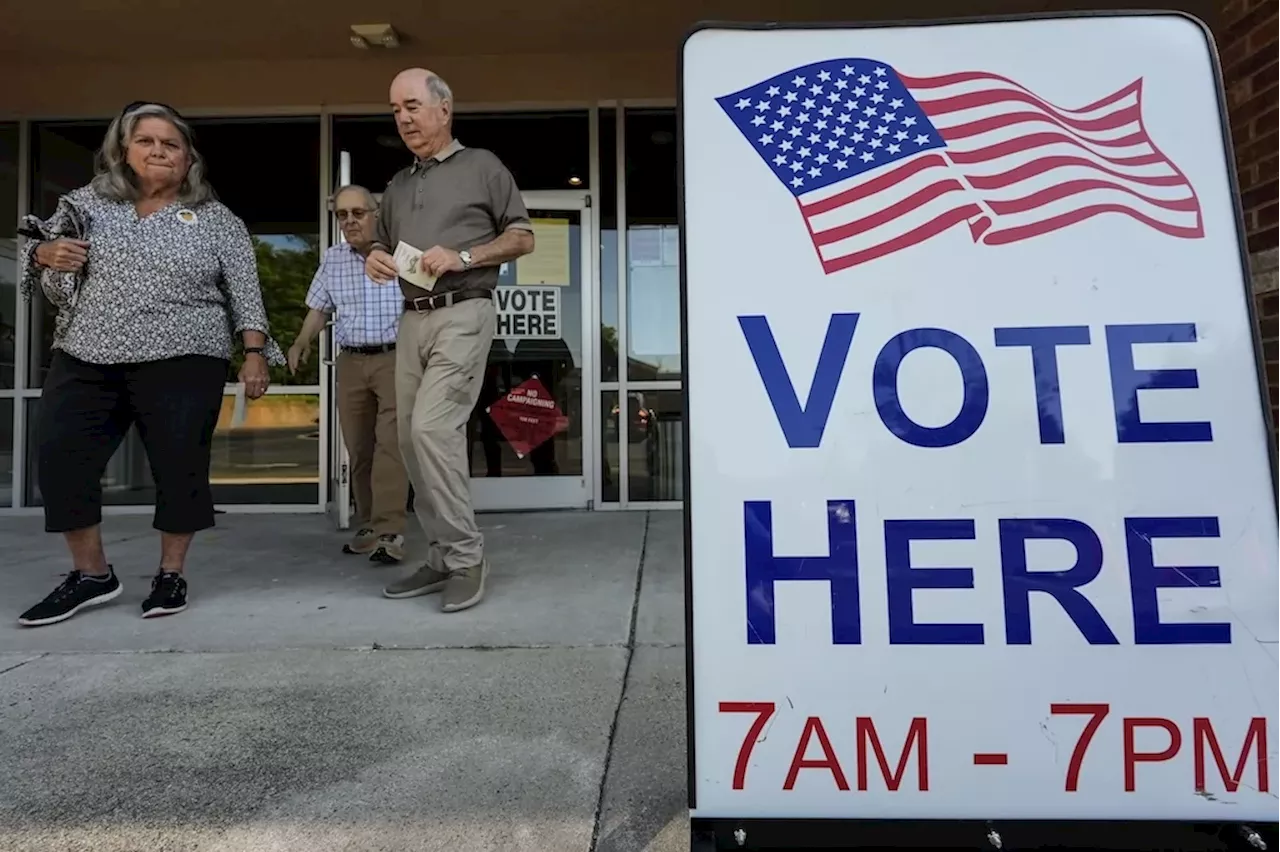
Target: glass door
[(530, 435)]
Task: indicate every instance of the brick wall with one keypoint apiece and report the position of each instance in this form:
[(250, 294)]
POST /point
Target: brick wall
[(1247, 42), (1246, 34)]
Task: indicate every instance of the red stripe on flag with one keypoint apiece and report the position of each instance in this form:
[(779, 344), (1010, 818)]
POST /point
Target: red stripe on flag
[(1045, 164), (969, 76), (1075, 187), (972, 100), (874, 185), (1129, 115), (905, 240), (1040, 140), (887, 214), (1036, 229)]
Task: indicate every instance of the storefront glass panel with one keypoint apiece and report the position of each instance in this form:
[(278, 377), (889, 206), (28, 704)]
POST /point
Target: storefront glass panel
[(653, 243)]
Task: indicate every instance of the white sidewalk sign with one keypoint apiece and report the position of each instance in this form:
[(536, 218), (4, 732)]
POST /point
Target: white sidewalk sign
[(981, 516)]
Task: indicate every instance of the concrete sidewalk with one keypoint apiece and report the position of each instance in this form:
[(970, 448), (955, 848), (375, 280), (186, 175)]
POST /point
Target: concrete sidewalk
[(293, 708)]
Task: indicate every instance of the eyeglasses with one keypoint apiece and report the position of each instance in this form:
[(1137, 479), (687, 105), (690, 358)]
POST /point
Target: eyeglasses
[(355, 213)]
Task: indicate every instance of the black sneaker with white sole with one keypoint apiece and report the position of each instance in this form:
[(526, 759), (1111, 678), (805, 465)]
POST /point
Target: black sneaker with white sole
[(77, 592), (168, 595)]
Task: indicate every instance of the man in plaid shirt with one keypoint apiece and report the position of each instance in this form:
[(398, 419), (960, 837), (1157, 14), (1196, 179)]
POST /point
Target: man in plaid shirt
[(365, 330)]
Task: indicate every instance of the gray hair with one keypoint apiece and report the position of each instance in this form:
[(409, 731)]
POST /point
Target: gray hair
[(115, 179), (439, 89), (353, 187)]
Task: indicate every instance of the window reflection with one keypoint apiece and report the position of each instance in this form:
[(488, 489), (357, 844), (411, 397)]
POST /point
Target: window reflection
[(653, 271), (267, 450), (608, 285), (651, 433), (277, 199)]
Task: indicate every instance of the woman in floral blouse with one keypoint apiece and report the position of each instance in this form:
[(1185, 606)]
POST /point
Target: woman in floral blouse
[(153, 279)]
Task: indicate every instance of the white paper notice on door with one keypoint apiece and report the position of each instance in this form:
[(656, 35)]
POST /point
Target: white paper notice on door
[(409, 264), (549, 264)]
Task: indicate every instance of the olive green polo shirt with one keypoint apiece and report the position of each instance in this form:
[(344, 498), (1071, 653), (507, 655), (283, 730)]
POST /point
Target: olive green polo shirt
[(459, 198)]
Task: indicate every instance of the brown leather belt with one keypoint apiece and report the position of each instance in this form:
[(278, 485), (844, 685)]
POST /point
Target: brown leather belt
[(436, 301)]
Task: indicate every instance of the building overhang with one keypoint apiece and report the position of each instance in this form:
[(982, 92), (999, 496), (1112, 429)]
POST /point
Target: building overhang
[(88, 57)]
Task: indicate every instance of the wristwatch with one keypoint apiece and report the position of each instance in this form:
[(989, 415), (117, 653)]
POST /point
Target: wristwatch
[(465, 257), (255, 350)]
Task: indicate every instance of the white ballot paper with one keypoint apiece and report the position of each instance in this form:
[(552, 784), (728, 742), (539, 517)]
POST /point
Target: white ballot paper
[(238, 408), (408, 261)]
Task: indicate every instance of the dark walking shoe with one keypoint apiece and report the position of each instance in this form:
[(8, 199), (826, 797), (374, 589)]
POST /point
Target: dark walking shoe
[(465, 588), (168, 595), (364, 541), (77, 592), (424, 581), (390, 550)]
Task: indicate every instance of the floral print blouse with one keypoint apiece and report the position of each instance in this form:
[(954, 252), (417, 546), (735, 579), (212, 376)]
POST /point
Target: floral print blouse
[(180, 281)]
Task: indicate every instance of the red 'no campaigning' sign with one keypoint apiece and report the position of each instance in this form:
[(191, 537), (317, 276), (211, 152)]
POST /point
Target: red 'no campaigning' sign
[(528, 416)]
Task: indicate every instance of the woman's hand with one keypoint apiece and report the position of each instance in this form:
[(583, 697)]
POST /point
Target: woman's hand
[(63, 255), (254, 375)]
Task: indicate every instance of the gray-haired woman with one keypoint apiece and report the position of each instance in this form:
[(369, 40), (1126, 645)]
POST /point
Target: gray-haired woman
[(152, 278)]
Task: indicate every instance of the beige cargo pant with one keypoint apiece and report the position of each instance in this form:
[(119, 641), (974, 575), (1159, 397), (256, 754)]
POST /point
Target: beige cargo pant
[(440, 362)]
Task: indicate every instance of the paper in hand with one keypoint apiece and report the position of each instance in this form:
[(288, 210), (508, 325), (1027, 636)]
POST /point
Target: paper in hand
[(238, 407), (409, 262)]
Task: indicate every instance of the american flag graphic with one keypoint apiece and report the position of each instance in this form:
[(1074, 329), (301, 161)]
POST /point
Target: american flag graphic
[(879, 161)]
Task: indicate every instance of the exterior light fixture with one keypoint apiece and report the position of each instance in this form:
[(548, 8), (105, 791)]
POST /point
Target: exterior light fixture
[(365, 36)]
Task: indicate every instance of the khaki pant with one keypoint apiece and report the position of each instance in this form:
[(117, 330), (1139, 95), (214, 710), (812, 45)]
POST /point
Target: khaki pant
[(440, 362), (367, 412)]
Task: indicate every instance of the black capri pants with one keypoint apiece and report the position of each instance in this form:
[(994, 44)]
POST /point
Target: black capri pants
[(87, 409)]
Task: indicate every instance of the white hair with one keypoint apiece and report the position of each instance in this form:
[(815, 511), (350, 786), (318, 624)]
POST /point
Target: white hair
[(353, 187), (115, 179)]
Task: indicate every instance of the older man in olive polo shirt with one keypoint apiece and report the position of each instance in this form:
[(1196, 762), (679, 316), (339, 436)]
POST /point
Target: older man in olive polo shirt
[(461, 208)]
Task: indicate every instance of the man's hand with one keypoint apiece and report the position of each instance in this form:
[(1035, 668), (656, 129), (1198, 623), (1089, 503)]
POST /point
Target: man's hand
[(254, 375), (438, 260), (381, 267), (64, 255), (298, 354)]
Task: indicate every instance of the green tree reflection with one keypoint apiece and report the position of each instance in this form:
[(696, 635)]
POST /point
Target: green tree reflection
[(285, 268)]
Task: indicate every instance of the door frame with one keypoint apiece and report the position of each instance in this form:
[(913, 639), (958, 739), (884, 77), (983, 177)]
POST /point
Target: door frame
[(568, 491), (339, 474)]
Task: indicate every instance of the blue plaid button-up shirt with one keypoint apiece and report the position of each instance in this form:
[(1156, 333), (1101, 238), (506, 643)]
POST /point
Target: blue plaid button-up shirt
[(368, 313)]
